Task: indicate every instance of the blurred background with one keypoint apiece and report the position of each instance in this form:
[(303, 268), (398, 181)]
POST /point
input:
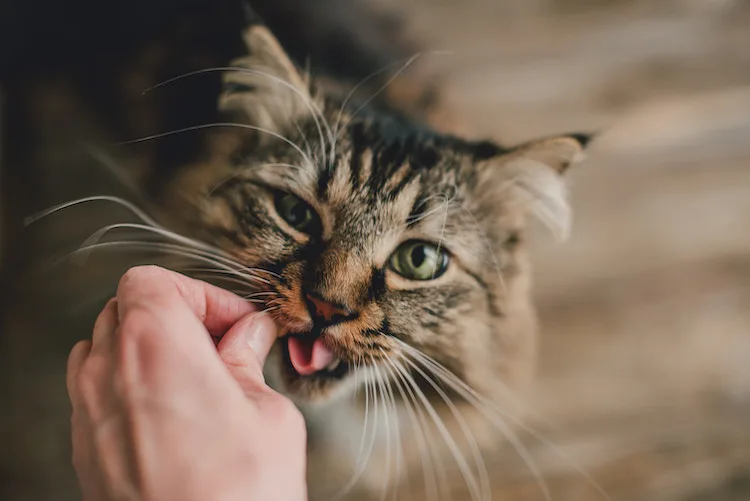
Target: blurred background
[(644, 376)]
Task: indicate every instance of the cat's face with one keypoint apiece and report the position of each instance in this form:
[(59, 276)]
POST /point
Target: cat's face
[(380, 243)]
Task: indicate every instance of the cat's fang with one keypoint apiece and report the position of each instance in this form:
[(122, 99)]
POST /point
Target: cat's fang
[(333, 365)]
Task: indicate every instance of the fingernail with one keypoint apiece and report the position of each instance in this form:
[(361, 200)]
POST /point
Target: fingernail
[(260, 334)]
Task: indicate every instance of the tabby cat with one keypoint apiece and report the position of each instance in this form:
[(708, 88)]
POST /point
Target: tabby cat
[(391, 255), (393, 258)]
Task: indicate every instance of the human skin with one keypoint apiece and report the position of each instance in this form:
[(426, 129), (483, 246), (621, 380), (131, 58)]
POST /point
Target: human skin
[(163, 412)]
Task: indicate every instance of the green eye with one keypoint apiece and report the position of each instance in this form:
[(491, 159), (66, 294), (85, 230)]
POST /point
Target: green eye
[(297, 213), (418, 260)]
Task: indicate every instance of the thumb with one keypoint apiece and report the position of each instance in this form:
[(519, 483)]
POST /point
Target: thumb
[(244, 349)]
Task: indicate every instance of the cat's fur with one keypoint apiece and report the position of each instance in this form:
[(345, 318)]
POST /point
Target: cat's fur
[(375, 181), (383, 180)]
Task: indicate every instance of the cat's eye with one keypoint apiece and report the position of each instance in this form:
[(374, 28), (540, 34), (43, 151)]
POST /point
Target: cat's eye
[(298, 214), (417, 260)]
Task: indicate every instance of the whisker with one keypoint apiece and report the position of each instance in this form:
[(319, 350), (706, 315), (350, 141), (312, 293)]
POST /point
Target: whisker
[(380, 383), (495, 415), (363, 456), (434, 453), (171, 250), (221, 281), (404, 66), (476, 399), (488, 247), (116, 200), (216, 271), (401, 462), (150, 226), (484, 482), (193, 244), (217, 125), (440, 240), (461, 462), (420, 434), (314, 110)]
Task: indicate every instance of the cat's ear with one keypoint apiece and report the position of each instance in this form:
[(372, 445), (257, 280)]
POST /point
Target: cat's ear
[(266, 90), (558, 153), (528, 179)]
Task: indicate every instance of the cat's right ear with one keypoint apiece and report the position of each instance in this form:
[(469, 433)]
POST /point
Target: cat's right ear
[(267, 91)]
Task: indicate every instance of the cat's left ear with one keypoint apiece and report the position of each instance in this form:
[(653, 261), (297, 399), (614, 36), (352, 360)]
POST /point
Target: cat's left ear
[(557, 153), (528, 179), (266, 90)]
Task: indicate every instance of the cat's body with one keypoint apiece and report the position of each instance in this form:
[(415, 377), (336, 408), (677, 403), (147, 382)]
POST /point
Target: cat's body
[(391, 255)]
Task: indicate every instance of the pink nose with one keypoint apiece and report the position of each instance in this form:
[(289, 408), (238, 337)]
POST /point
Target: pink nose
[(326, 311)]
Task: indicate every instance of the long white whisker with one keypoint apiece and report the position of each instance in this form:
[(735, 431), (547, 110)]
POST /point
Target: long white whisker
[(116, 200), (167, 248), (256, 295), (363, 459), (314, 110), (420, 434), (488, 247), (443, 205), (401, 461), (463, 465), (495, 416), (380, 383), (217, 125), (195, 247), (440, 240), (223, 280), (216, 271), (386, 84), (337, 127), (176, 237), (484, 482)]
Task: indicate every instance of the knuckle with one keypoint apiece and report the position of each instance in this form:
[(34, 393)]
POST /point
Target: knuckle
[(135, 324), (87, 383), (89, 373), (140, 274)]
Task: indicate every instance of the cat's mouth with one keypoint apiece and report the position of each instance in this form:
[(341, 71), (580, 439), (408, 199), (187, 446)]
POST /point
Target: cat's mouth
[(311, 358)]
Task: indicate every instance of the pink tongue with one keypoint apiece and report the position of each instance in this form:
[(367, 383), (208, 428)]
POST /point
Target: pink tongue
[(309, 357)]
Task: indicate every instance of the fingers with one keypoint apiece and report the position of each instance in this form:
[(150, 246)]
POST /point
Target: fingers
[(77, 357), (165, 322), (105, 326), (216, 308), (245, 347)]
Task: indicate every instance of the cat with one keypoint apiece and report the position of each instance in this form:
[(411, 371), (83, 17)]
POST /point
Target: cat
[(393, 258)]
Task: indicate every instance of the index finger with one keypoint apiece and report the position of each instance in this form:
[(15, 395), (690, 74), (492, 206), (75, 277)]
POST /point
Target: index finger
[(153, 287)]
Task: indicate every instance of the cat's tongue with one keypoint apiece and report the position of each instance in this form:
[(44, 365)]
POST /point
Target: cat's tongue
[(309, 356)]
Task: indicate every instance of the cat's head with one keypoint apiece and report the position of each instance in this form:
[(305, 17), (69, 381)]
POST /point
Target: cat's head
[(382, 243)]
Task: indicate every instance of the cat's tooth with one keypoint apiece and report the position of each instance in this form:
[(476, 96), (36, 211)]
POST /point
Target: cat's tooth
[(333, 365)]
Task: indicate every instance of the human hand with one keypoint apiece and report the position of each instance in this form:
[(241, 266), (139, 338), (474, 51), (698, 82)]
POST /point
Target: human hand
[(159, 415)]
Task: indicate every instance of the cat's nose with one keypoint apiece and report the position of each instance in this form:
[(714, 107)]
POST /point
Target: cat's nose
[(325, 312)]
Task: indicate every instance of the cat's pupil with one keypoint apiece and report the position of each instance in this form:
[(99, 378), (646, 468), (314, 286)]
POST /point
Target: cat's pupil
[(418, 256), (297, 213)]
